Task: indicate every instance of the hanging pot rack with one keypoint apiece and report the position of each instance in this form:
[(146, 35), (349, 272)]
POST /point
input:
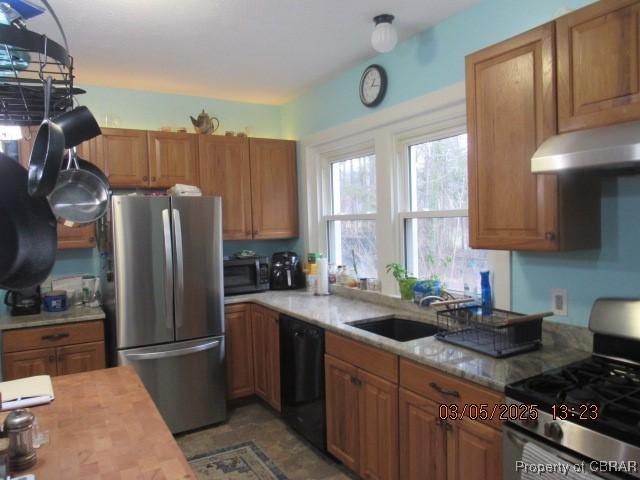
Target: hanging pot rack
[(22, 87)]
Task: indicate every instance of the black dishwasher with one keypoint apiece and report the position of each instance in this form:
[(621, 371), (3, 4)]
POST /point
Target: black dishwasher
[(302, 379)]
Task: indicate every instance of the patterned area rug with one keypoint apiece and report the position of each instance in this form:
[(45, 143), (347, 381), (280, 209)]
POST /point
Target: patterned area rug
[(244, 461)]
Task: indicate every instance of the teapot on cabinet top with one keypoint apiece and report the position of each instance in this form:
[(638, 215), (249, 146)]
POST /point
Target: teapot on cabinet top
[(205, 124)]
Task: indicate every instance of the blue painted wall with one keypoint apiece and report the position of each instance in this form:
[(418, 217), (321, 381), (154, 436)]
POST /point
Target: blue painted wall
[(435, 59), (424, 63)]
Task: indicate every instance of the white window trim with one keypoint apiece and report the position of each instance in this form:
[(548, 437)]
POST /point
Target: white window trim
[(384, 132)]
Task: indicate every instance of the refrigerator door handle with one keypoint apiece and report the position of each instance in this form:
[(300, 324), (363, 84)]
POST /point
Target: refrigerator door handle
[(179, 352), (179, 268), (168, 268)]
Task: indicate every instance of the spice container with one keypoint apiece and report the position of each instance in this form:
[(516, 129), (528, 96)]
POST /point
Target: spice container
[(19, 428)]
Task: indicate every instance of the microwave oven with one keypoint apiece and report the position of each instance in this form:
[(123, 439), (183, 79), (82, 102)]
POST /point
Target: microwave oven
[(246, 275)]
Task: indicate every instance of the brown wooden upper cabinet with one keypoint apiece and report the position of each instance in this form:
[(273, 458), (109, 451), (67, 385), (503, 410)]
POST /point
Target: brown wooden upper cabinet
[(511, 110), (173, 158), (225, 170), (599, 65), (274, 188), (122, 154)]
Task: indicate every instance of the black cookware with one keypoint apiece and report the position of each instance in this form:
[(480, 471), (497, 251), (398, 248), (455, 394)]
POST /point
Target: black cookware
[(78, 125), (28, 236)]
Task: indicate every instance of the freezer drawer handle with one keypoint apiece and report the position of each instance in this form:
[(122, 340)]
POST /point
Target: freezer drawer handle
[(173, 353)]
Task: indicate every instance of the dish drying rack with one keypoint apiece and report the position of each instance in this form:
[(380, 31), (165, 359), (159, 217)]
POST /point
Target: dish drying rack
[(501, 334)]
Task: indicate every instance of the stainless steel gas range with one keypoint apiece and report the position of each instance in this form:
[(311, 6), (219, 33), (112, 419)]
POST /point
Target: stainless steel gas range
[(585, 420)]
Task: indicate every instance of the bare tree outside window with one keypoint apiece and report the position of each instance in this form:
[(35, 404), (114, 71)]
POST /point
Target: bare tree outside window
[(436, 228), (353, 196)]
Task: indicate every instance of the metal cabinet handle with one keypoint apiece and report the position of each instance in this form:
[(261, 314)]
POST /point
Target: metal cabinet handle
[(447, 427), (550, 236), (145, 178), (444, 391), (356, 381), (55, 336)]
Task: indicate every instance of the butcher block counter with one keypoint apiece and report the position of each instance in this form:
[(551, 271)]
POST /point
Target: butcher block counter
[(104, 425)]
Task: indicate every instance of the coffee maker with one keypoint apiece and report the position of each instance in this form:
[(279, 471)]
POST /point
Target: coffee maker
[(24, 302), (286, 271)]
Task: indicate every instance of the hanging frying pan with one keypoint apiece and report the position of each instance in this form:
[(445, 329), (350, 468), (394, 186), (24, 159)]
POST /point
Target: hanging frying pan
[(80, 196), (28, 236), (47, 152)]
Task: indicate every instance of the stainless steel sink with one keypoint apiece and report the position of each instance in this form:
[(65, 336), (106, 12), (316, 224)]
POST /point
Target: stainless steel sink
[(399, 329)]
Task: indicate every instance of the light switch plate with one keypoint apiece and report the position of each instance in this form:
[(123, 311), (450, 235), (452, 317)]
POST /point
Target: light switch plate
[(559, 301)]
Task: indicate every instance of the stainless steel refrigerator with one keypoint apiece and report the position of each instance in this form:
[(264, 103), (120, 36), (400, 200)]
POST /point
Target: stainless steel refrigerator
[(169, 303)]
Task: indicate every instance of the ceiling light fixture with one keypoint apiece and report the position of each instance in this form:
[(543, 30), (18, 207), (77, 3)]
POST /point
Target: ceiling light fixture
[(384, 36)]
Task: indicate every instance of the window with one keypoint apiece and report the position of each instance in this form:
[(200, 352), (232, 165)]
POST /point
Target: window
[(351, 224), (436, 225)]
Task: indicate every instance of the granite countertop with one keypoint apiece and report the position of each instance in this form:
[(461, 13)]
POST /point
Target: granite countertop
[(333, 312), (80, 313), (103, 424)]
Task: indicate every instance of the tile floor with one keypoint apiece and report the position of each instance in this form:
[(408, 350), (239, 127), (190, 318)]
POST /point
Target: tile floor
[(254, 421)]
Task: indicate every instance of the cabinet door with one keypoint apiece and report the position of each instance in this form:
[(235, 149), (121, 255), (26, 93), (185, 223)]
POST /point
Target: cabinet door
[(511, 110), (225, 172), (274, 188), (79, 358), (378, 427), (599, 65), (422, 439), (273, 358), (173, 158), (342, 407), (123, 156), (77, 237), (474, 451), (30, 363), (259, 330), (239, 351)]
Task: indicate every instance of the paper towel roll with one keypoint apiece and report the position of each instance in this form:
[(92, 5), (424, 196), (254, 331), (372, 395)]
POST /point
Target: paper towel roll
[(322, 287)]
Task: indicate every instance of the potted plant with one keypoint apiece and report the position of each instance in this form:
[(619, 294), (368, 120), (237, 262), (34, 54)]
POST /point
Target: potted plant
[(405, 281)]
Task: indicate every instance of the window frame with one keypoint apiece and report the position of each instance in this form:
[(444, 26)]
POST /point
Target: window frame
[(327, 215), (383, 132), (404, 145)]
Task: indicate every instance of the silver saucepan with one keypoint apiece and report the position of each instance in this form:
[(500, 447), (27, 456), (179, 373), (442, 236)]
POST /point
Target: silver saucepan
[(80, 196)]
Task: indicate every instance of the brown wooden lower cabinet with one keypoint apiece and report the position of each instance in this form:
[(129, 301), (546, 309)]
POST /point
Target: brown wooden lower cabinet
[(53, 350), (362, 419), (422, 438), (81, 358), (239, 351), (474, 451), (27, 364), (342, 412), (265, 326), (432, 448)]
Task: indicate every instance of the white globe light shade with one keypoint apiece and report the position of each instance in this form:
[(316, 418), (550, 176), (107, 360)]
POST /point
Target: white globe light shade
[(384, 37)]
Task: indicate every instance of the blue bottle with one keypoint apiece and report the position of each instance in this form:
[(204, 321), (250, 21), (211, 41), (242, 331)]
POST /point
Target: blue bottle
[(485, 290)]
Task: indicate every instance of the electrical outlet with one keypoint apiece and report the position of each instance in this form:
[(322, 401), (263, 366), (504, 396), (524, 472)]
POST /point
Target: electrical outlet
[(559, 301)]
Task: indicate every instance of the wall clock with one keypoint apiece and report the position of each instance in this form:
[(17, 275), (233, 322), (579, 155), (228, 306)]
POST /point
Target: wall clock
[(373, 85)]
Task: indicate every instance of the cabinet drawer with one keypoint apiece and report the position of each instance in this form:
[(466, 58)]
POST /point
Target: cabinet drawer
[(367, 358), (446, 389), (53, 336)]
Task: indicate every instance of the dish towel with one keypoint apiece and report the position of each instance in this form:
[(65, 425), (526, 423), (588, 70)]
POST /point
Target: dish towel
[(182, 190), (540, 464)]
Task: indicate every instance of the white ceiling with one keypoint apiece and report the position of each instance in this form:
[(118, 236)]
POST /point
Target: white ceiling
[(266, 51)]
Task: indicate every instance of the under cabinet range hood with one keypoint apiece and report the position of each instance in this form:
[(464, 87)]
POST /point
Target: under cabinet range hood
[(616, 147)]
